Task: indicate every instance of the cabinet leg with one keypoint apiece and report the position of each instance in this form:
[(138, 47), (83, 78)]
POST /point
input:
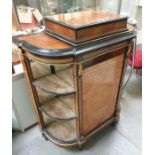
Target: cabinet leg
[(80, 147), (44, 136), (116, 120)]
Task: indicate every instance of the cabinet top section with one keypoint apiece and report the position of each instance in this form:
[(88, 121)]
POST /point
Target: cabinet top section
[(78, 27), (44, 41), (84, 18), (44, 45)]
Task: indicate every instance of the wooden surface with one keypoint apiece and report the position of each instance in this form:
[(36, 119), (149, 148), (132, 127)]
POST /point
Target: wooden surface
[(97, 74), (55, 84), (69, 33), (43, 40), (43, 95), (100, 31), (100, 84), (59, 107), (29, 79), (126, 139), (49, 60), (66, 75), (63, 130), (39, 69), (85, 25), (83, 17)]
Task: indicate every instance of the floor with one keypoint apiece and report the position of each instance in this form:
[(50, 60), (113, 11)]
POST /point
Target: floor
[(124, 139)]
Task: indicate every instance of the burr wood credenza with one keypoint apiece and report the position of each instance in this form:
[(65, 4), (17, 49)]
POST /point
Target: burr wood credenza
[(75, 69)]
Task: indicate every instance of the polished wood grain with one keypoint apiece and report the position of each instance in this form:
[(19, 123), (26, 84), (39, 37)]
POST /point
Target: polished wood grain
[(59, 108), (60, 30), (29, 79), (86, 33), (43, 40), (100, 31), (100, 84), (85, 25), (83, 17)]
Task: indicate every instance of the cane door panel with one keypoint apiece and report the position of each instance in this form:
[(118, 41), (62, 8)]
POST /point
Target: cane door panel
[(100, 84)]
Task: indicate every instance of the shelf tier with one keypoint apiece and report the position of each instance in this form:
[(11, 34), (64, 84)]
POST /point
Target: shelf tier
[(59, 108), (66, 75), (62, 131), (43, 95), (39, 69), (60, 83)]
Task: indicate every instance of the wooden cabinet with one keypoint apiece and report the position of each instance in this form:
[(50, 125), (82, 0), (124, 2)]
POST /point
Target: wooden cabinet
[(76, 83)]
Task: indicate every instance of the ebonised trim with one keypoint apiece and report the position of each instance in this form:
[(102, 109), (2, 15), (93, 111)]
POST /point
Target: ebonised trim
[(47, 53), (74, 52), (79, 42), (82, 50)]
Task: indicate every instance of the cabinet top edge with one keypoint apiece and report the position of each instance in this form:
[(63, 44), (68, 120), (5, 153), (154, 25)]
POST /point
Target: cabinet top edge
[(70, 51), (75, 20)]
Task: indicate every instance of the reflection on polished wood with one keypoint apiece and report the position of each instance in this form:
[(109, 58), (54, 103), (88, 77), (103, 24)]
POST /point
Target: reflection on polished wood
[(84, 17), (43, 40), (77, 27)]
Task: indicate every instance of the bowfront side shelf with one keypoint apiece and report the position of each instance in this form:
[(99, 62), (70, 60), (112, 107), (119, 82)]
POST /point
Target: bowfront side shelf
[(59, 108), (39, 69), (43, 95), (62, 131), (56, 84)]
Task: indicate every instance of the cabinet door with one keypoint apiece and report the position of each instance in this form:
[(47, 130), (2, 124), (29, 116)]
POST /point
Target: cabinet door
[(100, 84)]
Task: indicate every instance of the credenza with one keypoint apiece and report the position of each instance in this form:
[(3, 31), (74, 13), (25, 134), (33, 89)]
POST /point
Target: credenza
[(75, 69)]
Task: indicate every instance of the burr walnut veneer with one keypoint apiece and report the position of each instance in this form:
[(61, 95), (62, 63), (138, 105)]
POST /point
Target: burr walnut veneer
[(74, 69)]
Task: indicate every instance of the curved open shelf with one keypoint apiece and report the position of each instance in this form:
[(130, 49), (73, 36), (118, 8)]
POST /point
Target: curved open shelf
[(43, 95), (62, 131), (59, 108), (60, 83), (39, 69)]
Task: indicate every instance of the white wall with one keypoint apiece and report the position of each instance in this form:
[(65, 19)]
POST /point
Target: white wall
[(129, 8)]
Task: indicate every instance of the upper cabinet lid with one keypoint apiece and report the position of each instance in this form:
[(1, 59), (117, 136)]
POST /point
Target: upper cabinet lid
[(82, 19), (79, 27)]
